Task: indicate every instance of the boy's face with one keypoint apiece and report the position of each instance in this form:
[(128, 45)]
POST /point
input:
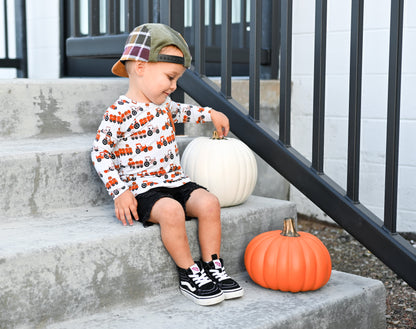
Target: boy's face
[(158, 80)]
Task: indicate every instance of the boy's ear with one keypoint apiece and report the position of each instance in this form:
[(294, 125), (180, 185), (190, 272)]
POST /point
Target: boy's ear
[(140, 65)]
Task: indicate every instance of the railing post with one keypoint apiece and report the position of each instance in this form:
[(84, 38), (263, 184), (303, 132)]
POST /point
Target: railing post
[(172, 14), (354, 122), (319, 86), (199, 26), (285, 71), (21, 40), (93, 18), (254, 63), (393, 115), (226, 48), (275, 39)]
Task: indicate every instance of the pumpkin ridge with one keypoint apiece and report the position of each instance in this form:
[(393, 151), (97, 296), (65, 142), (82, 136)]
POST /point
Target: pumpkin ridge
[(285, 263), (255, 259), (322, 268), (271, 262), (309, 256)]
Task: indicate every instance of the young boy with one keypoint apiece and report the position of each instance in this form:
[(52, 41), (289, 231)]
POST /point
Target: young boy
[(136, 155)]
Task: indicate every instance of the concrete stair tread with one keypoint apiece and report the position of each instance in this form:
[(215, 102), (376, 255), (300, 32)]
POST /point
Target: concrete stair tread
[(85, 224), (53, 144), (29, 233), (346, 301)]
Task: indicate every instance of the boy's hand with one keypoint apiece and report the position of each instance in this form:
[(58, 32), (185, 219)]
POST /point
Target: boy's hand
[(221, 123), (126, 205)]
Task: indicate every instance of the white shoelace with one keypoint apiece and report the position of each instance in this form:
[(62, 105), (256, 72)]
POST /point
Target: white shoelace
[(200, 278), (219, 274)]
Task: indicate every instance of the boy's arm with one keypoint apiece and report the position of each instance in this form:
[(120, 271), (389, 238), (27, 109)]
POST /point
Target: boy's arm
[(221, 123), (125, 203), (126, 206), (191, 113)]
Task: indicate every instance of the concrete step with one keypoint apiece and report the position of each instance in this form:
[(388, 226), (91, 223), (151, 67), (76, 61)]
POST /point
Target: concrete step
[(44, 108), (345, 302), (43, 174), (82, 261)]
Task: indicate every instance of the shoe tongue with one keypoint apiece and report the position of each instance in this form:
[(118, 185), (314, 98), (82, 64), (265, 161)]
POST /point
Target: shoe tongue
[(217, 263), (195, 269)]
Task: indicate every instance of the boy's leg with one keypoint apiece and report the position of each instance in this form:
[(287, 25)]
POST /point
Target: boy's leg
[(206, 207), (193, 282), (170, 216)]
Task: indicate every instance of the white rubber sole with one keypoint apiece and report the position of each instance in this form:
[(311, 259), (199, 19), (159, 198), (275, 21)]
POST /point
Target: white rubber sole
[(234, 294), (204, 301)]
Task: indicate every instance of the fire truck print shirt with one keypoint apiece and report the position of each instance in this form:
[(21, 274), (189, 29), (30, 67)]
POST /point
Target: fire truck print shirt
[(135, 146)]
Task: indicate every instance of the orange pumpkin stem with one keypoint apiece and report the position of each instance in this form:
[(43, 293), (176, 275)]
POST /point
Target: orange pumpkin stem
[(289, 228)]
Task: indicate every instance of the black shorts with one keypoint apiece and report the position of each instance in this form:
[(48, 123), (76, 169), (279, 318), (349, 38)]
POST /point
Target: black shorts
[(147, 200)]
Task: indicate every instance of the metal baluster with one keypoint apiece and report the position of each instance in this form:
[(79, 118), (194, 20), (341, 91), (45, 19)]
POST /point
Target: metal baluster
[(242, 29), (393, 115), (319, 86), (75, 19), (128, 15), (110, 8), (21, 38), (226, 49), (285, 71), (6, 30), (254, 64), (354, 122), (93, 17), (211, 26), (275, 42), (199, 25)]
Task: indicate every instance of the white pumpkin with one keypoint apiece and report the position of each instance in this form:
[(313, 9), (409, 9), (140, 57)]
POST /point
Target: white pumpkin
[(226, 167)]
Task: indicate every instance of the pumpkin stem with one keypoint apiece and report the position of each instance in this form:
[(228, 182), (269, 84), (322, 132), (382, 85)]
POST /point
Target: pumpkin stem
[(215, 135), (289, 228)]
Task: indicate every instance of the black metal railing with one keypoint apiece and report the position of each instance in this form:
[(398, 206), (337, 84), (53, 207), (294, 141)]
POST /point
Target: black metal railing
[(342, 205), (104, 34), (19, 61)]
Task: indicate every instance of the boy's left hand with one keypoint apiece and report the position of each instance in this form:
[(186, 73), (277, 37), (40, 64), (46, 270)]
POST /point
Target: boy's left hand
[(221, 123)]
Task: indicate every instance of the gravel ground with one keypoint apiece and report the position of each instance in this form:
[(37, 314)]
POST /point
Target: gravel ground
[(349, 256)]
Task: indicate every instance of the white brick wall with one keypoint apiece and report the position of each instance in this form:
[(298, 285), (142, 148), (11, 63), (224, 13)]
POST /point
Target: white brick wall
[(374, 102), (42, 39)]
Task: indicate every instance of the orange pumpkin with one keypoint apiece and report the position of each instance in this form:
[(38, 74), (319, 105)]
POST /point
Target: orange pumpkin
[(288, 260)]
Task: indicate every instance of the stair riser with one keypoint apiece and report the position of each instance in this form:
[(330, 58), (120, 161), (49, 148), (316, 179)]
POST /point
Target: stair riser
[(66, 281), (55, 107), (39, 182)]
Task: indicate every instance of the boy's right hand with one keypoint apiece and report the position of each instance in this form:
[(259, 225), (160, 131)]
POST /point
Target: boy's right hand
[(126, 205)]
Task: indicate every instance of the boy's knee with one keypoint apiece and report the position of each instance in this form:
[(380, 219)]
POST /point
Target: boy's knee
[(209, 203), (168, 212)]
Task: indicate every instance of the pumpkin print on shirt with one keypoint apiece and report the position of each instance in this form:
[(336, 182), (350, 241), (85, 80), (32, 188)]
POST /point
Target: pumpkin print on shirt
[(135, 147)]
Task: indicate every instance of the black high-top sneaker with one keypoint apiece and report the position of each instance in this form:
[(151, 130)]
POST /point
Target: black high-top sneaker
[(196, 285), (215, 270)]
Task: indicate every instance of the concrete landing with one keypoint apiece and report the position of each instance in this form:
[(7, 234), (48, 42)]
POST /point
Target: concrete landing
[(346, 302)]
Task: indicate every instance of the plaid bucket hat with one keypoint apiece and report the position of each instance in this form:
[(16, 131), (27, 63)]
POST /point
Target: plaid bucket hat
[(146, 41)]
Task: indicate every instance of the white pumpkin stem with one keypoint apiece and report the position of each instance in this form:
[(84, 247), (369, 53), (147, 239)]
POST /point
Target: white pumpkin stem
[(289, 228), (216, 136)]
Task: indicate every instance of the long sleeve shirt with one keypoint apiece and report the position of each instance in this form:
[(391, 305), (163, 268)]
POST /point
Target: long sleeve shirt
[(135, 146)]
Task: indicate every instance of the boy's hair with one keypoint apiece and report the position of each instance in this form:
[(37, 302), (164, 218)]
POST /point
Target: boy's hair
[(146, 42)]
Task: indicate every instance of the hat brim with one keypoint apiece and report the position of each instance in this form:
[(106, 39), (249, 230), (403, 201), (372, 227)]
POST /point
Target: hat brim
[(119, 69)]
